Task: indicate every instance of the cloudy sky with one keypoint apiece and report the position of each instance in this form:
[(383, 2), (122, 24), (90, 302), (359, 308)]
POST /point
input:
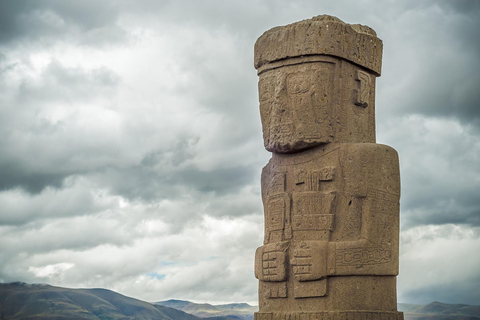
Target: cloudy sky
[(131, 147)]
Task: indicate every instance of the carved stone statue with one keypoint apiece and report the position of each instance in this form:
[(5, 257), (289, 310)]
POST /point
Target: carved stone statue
[(330, 193)]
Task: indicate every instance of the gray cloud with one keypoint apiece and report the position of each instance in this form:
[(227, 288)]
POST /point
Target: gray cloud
[(437, 264), (64, 84), (47, 21), (130, 131), (33, 182), (462, 292), (145, 183), (20, 208), (434, 71), (32, 132)]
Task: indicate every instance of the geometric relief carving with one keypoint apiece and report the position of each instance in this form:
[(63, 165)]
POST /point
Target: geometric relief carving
[(299, 87), (299, 83), (306, 202), (309, 261), (384, 206), (295, 107), (277, 183), (326, 174), (274, 290), (382, 201), (312, 222), (313, 203), (305, 127), (310, 98), (362, 95), (300, 177), (322, 88), (276, 213), (278, 218), (362, 256), (311, 180)]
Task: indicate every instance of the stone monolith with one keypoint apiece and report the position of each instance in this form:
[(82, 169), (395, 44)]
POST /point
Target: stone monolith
[(330, 193)]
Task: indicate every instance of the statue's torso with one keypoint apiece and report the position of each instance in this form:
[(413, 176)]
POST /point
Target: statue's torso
[(331, 211)]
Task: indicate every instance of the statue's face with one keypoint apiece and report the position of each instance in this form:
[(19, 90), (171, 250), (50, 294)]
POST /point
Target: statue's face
[(296, 106)]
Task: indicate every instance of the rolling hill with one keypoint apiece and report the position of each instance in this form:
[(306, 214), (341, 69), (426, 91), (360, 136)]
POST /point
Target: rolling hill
[(21, 301), (39, 301), (440, 311), (205, 310)]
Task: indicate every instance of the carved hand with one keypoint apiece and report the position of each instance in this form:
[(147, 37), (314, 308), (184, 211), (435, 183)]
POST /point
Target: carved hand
[(309, 260), (271, 263)]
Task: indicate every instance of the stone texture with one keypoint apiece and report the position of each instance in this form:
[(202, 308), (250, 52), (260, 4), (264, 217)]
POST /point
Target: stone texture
[(330, 193), (321, 35)]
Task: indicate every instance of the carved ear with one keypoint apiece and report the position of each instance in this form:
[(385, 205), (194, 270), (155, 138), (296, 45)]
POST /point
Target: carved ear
[(362, 94)]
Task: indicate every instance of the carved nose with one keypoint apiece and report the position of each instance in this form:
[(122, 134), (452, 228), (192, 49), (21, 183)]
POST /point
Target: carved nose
[(278, 113)]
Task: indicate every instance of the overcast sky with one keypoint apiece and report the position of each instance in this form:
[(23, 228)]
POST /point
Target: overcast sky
[(131, 146)]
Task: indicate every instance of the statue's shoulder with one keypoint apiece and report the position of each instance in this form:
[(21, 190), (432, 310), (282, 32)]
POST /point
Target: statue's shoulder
[(369, 152)]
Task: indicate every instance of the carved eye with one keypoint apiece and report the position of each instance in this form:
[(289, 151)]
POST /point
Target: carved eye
[(298, 84)]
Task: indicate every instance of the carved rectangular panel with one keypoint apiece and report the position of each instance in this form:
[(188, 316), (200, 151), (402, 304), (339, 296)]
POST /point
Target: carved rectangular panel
[(276, 213), (362, 94), (309, 92), (312, 222), (276, 290), (277, 218), (362, 256), (326, 174), (312, 202), (310, 180)]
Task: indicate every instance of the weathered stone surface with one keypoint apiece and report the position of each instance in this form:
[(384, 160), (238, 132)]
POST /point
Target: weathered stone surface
[(308, 101), (330, 193), (325, 35)]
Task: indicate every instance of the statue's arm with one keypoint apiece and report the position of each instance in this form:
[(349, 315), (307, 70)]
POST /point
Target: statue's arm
[(372, 180)]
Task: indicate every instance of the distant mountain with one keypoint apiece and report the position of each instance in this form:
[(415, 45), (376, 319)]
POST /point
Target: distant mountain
[(440, 311), (232, 311), (405, 307), (177, 304), (237, 306), (21, 301)]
